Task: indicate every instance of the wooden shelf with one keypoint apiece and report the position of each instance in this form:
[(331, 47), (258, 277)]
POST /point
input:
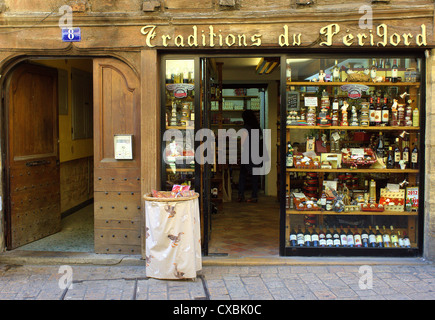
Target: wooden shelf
[(387, 128), (345, 170), (179, 127), (180, 170), (354, 213), (319, 84), (239, 97)]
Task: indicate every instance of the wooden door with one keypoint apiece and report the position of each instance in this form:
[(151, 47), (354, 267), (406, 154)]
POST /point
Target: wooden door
[(33, 183), (117, 187)]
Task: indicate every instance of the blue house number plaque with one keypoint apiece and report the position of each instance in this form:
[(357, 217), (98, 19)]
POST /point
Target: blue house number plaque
[(71, 35)]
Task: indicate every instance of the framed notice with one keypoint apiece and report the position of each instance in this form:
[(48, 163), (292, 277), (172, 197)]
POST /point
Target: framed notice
[(292, 101), (123, 146)]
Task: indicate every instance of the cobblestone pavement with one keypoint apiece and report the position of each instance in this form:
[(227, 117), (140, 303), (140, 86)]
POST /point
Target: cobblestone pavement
[(377, 282)]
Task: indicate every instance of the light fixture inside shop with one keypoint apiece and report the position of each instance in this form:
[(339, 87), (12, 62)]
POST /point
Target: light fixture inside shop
[(267, 65)]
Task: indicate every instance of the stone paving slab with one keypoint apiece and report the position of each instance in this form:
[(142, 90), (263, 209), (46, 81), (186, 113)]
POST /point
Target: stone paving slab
[(377, 282)]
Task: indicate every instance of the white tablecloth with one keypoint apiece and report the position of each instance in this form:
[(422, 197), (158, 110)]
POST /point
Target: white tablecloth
[(173, 239)]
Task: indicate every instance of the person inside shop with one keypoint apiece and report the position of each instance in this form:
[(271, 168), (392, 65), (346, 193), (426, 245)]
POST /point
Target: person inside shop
[(250, 123)]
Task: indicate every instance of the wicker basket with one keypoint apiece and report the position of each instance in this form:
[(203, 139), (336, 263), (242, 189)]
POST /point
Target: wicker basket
[(358, 77)]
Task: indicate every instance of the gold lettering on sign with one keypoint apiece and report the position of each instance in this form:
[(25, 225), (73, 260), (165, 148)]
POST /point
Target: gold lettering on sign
[(150, 34), (329, 31), (284, 39), (381, 31), (192, 40), (421, 38)]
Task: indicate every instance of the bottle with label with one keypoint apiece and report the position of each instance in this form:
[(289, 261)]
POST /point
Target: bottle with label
[(386, 238), (322, 237), (336, 238), (329, 239), (394, 238), (373, 70), (364, 238), (380, 147), (323, 199), (289, 157), (350, 238), (378, 113), (357, 238), (400, 240), (408, 115), (397, 154), (385, 113), (293, 238), (314, 237), (415, 117), (394, 114), (307, 238), (390, 158), (414, 156), (394, 72), (405, 151), (288, 73), (372, 121), (406, 241), (336, 73), (372, 191), (343, 238), (300, 237), (400, 115), (372, 238), (379, 238)]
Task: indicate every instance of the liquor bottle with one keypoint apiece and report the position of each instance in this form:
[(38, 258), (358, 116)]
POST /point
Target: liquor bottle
[(400, 240), (385, 113), (373, 70), (386, 238), (397, 154), (323, 199), (408, 115), (336, 238), (394, 72), (400, 115), (288, 73), (378, 113), (300, 237), (307, 238), (350, 238), (394, 238), (380, 147), (293, 238), (372, 191), (379, 243), (289, 157), (343, 238), (364, 238), (415, 117), (322, 237), (314, 237), (372, 238), (329, 238), (357, 238), (405, 151), (390, 158), (372, 121), (406, 241), (336, 73), (414, 156)]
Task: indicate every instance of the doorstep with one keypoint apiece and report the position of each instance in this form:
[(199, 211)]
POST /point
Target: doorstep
[(27, 257)]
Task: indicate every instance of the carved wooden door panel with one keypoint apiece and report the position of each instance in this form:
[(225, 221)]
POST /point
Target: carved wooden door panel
[(117, 185), (33, 182)]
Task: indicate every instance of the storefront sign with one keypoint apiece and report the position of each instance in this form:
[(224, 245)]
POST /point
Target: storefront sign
[(330, 35)]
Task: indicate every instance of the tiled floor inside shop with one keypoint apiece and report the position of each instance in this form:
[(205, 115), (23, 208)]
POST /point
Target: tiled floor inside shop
[(246, 229)]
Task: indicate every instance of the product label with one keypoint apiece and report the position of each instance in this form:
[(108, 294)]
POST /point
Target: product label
[(379, 239), (364, 236), (385, 115), (386, 238), (396, 156), (378, 115), (315, 237), (307, 238), (336, 72), (394, 73), (350, 240), (293, 237), (373, 73), (336, 242), (343, 239), (406, 242), (329, 242), (394, 238), (322, 242), (405, 156), (300, 239), (357, 239), (414, 158), (372, 116), (401, 243), (372, 238)]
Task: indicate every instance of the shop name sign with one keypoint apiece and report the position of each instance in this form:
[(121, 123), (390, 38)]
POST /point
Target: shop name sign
[(328, 36)]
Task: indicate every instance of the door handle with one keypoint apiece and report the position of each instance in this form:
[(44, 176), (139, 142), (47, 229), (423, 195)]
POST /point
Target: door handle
[(37, 163)]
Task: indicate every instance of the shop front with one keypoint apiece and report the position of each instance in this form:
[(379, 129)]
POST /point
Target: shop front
[(345, 111)]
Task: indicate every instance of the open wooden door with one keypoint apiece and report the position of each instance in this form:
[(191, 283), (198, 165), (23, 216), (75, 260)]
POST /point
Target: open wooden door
[(32, 178), (117, 187)]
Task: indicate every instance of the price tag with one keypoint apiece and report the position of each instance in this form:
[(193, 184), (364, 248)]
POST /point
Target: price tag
[(71, 35), (310, 101), (358, 152)]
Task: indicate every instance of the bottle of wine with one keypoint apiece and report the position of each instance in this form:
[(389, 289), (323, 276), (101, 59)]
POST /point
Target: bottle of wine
[(414, 156), (293, 238), (322, 237), (364, 238), (397, 154), (372, 121), (336, 72), (357, 238), (390, 158), (380, 147), (394, 72), (372, 238), (405, 151), (406, 241), (350, 238), (385, 113), (378, 113), (394, 238), (400, 240), (336, 238), (343, 238), (379, 243), (314, 237), (329, 239), (289, 157), (300, 237), (373, 70), (386, 238), (307, 237)]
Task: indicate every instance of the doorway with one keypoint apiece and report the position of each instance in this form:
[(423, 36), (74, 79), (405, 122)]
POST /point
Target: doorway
[(49, 106), (239, 226)]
